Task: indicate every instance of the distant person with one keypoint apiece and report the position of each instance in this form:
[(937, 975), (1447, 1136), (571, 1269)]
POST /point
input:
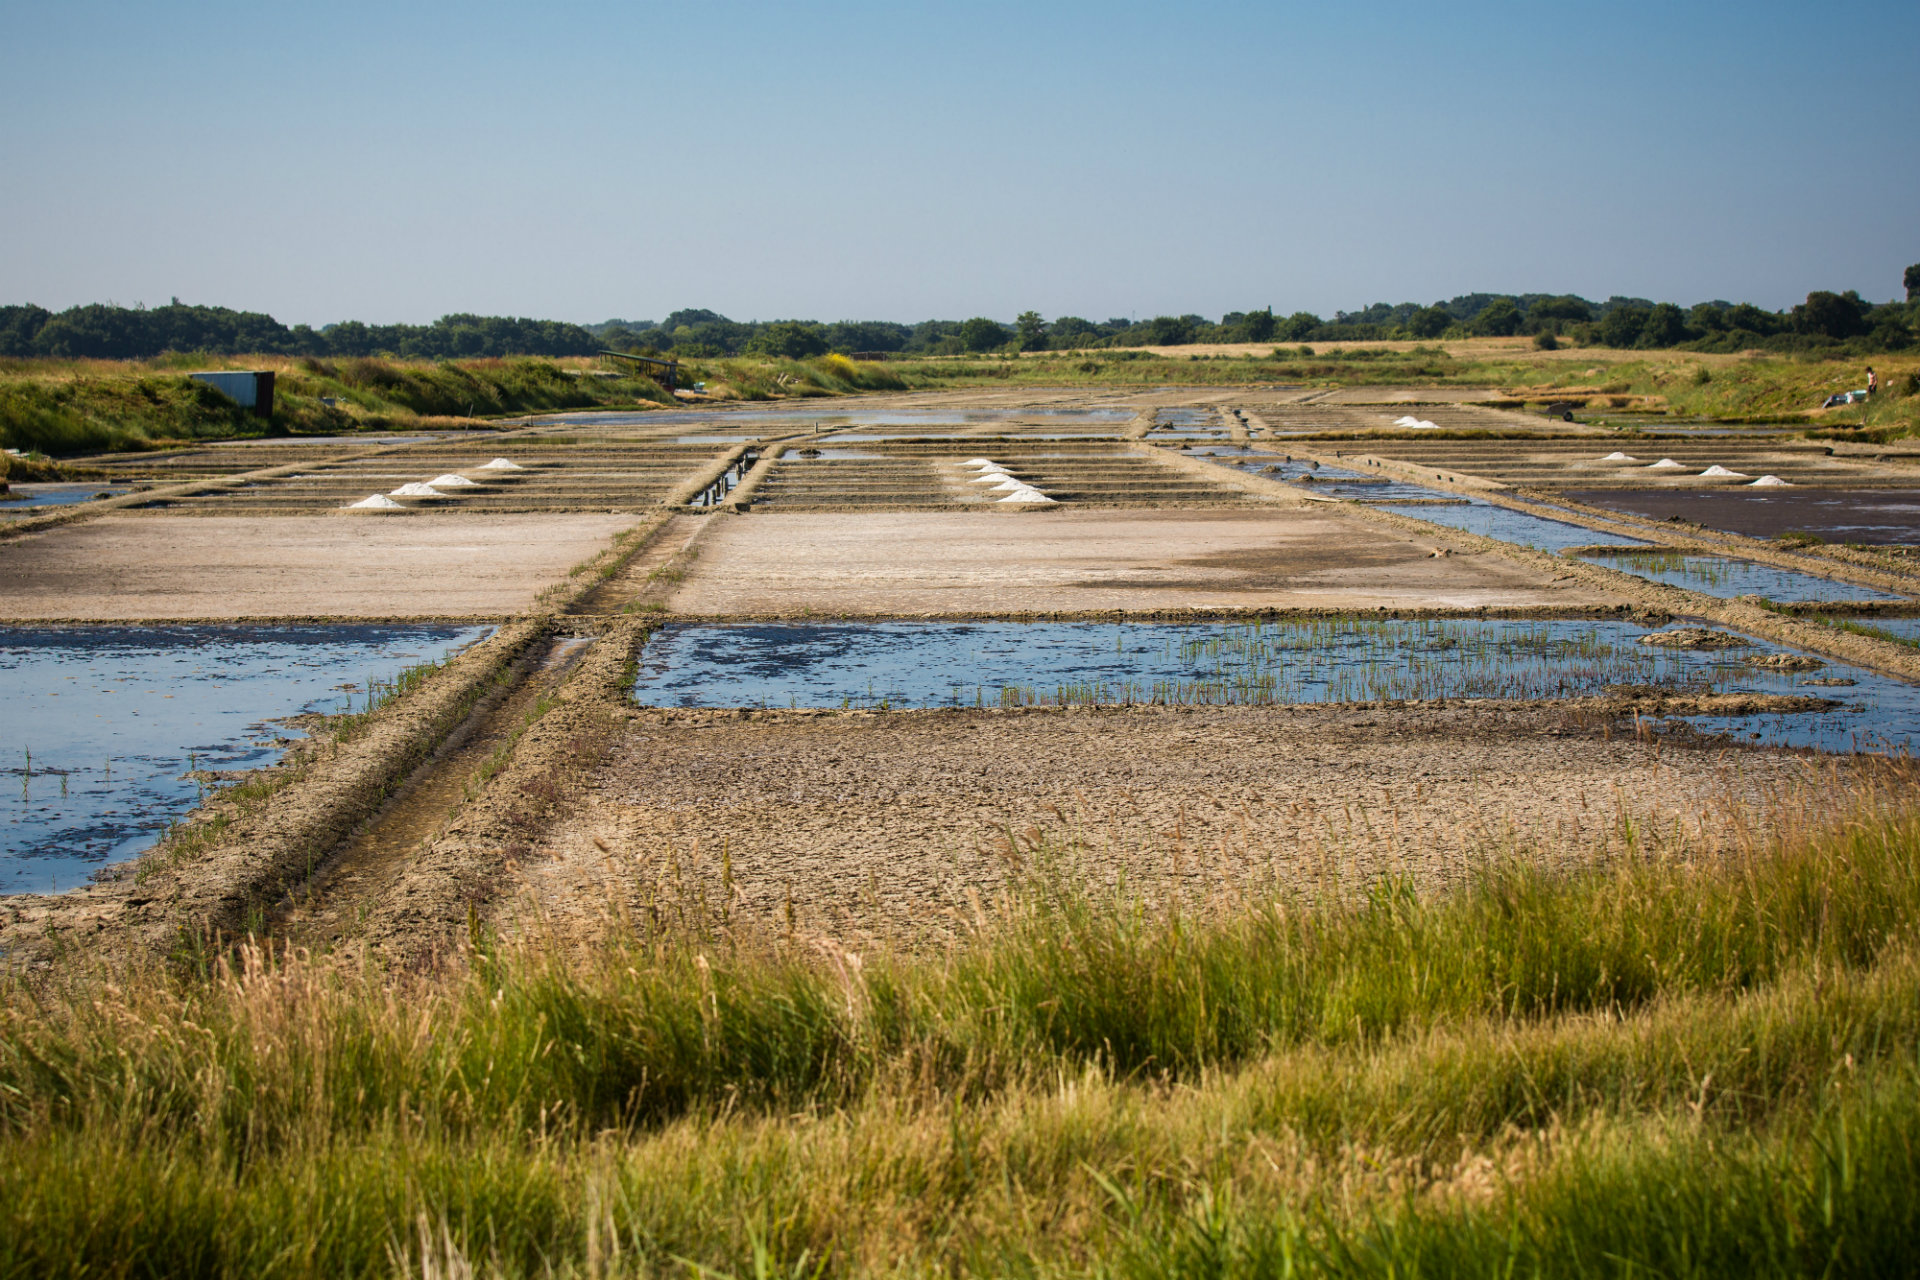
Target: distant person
[(1873, 380)]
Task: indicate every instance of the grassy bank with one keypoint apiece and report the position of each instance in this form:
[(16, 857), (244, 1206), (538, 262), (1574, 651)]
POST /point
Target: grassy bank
[(1699, 1066), (87, 406), (69, 407)]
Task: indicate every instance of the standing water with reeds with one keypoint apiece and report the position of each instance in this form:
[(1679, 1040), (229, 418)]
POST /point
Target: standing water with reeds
[(116, 732), (905, 665)]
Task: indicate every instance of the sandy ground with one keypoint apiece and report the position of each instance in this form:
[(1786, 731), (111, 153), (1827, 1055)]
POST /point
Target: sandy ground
[(870, 820), (1065, 561), (130, 567)]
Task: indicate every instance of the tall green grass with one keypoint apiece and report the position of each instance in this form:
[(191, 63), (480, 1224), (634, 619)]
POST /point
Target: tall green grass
[(1665, 1066)]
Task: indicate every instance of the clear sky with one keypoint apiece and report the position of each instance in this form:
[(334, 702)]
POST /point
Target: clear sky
[(582, 160)]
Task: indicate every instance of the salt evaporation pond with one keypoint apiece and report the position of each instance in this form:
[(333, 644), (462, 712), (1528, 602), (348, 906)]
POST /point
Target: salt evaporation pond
[(104, 723), (1326, 481), (911, 665), (1726, 577), (29, 498), (1508, 525)]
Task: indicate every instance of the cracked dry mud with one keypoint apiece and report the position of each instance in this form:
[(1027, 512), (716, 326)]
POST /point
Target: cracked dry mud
[(884, 822)]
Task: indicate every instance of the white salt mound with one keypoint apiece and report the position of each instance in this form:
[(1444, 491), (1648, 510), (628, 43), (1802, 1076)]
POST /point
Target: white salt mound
[(1009, 483), (1027, 495), (1423, 425), (416, 490), (1769, 482), (1719, 472), (451, 481), (378, 502), (503, 464), (1617, 456), (1667, 464), (977, 463), (1406, 420), (991, 477)]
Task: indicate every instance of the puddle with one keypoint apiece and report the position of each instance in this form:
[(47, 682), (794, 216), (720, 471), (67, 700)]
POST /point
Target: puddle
[(114, 717), (1727, 577), (1491, 521), (909, 665), (1877, 517), (717, 492), (32, 497), (1328, 481), (1899, 630)]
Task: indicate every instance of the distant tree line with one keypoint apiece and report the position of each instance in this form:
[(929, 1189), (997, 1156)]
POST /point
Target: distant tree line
[(1825, 320), (1837, 321), (103, 331)]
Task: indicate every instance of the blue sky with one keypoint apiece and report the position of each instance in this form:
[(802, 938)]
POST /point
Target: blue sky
[(582, 160)]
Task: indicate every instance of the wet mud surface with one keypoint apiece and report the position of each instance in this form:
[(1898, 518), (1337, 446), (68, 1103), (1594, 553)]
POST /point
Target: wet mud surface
[(1875, 517), (1086, 560)]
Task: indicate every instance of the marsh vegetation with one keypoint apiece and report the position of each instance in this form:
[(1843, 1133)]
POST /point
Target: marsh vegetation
[(1690, 1060)]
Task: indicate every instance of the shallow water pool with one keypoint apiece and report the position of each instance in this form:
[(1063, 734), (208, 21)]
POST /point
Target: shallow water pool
[(23, 498), (1491, 521), (103, 724), (1727, 577), (986, 664)]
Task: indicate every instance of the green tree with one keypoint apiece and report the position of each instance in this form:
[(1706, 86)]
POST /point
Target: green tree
[(1167, 331), (1621, 326), (1299, 326), (1032, 331), (1912, 281), (1665, 326), (791, 339), (1499, 319), (1259, 326), (982, 334), (1567, 308), (1071, 331), (1429, 322), (1832, 315)]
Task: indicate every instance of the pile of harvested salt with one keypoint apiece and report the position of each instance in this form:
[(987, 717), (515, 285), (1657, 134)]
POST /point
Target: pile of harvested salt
[(502, 464), (1667, 464), (451, 481), (1415, 424), (1718, 472), (417, 490), (1768, 482), (378, 502), (1617, 456), (1013, 488)]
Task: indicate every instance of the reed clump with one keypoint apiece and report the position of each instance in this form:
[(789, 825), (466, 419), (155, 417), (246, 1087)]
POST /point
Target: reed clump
[(1705, 1064)]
